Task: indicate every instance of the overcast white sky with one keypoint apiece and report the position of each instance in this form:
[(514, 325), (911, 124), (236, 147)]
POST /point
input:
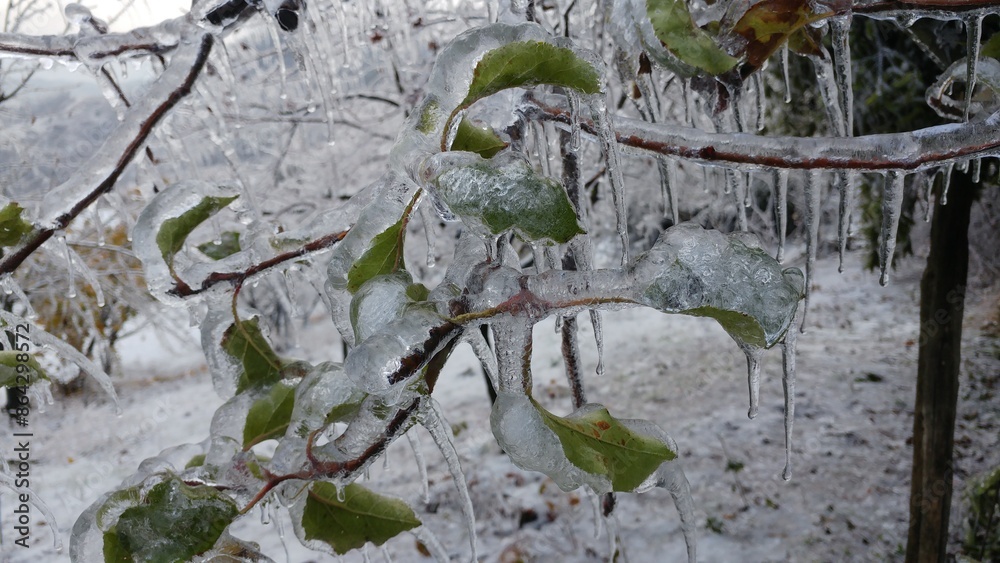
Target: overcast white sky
[(140, 13)]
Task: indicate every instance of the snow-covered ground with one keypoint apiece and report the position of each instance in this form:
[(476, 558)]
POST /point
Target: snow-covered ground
[(847, 500)]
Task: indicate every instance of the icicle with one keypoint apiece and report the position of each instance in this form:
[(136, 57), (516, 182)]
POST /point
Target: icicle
[(758, 86), (574, 120), (114, 199), (788, 385), (977, 168), (734, 185), (846, 180), (11, 287), (753, 378), (432, 418), (598, 324), (313, 55), (418, 456), (35, 500), (892, 204), (688, 102), (61, 242), (225, 70), (780, 209), (974, 32), (610, 146), (928, 194), (946, 182), (784, 72), (272, 31), (429, 219), (829, 90), (813, 199), (668, 174), (43, 338), (87, 275), (98, 223), (843, 74), (748, 192)]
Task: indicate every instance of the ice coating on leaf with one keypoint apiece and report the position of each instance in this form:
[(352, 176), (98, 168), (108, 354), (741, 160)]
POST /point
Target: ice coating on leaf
[(379, 301), (706, 273), (501, 194), (892, 204), (432, 418), (390, 195), (168, 204), (530, 444), (448, 85)]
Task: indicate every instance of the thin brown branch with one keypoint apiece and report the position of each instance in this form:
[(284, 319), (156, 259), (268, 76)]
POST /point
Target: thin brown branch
[(181, 289), (10, 262)]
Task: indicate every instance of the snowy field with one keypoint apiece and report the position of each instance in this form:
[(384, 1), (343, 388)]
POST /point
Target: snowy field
[(847, 500)]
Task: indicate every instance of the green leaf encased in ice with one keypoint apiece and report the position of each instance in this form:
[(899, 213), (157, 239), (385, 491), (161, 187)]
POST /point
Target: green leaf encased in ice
[(229, 243), (384, 256), (674, 27), (245, 343), (530, 63), (173, 232), (269, 415), (480, 140), (601, 445), (703, 273), (175, 522), (502, 198), (9, 366), (12, 227), (363, 516)]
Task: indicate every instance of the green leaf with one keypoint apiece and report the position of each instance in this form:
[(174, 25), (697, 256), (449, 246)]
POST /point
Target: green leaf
[(599, 444), (362, 516), (992, 47), (482, 141), (530, 63), (229, 243), (384, 256), (12, 227), (175, 522), (503, 194), (706, 273), (768, 24), (10, 368), (196, 461), (244, 342), (417, 292), (269, 415), (675, 28), (173, 232)]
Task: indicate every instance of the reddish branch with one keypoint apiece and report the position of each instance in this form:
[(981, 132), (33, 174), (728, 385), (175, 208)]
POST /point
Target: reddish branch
[(38, 237), (912, 150), (182, 289)]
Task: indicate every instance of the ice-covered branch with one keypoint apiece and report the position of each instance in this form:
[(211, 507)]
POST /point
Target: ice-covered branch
[(910, 150), (99, 174), (181, 289)]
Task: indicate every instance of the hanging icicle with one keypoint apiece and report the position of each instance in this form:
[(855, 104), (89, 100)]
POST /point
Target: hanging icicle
[(814, 197), (974, 32), (892, 204), (780, 208), (788, 386)]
